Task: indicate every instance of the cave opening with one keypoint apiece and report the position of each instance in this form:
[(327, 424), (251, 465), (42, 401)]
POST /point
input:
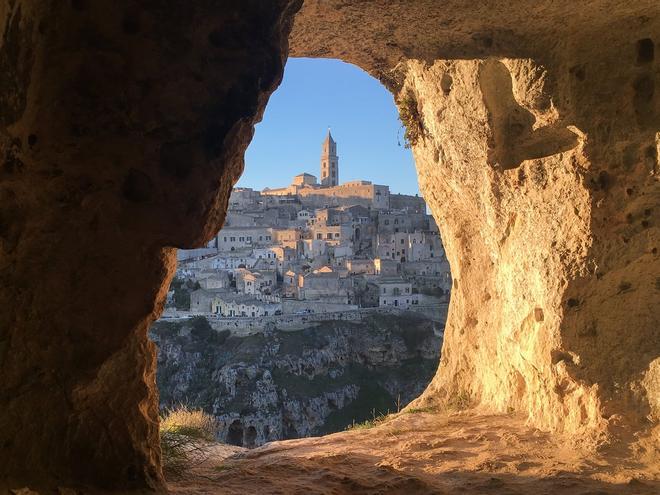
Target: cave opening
[(125, 126), (235, 433), (320, 305)]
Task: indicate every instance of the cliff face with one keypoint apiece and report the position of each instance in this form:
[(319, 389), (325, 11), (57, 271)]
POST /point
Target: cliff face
[(291, 384)]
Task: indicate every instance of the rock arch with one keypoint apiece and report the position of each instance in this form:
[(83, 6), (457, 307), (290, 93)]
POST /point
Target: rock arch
[(535, 132)]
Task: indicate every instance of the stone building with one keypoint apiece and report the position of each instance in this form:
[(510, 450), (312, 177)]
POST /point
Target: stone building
[(243, 305), (233, 238), (321, 285), (395, 292)]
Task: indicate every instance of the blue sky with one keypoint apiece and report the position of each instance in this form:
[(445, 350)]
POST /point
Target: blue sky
[(320, 93)]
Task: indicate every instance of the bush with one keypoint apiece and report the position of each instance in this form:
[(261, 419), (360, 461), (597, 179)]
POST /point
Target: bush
[(181, 299), (201, 328), (185, 438), (410, 117)]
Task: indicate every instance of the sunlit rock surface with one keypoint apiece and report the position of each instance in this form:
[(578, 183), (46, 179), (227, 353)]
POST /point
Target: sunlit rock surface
[(535, 132), (535, 125), (425, 453)]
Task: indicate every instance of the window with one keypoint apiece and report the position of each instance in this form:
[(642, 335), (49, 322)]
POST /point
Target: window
[(319, 236), (249, 238), (232, 239), (387, 222), (268, 238), (261, 238), (396, 221), (402, 241), (225, 238), (241, 239), (328, 235), (384, 290), (336, 235), (407, 290)]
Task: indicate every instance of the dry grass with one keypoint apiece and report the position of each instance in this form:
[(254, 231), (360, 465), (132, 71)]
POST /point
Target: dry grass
[(185, 438), (410, 117), (369, 423), (459, 402)]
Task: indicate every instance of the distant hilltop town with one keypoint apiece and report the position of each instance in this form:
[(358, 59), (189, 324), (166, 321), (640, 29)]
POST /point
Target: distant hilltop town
[(317, 248)]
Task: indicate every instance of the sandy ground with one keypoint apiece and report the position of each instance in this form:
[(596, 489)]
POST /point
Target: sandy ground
[(426, 453)]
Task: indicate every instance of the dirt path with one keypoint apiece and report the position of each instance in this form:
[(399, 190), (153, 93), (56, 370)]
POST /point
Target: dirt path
[(425, 453)]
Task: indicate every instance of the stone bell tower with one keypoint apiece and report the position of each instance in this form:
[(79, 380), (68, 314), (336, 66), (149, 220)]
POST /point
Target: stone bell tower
[(329, 162)]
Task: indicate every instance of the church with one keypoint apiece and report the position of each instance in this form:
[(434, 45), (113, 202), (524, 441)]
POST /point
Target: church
[(330, 193)]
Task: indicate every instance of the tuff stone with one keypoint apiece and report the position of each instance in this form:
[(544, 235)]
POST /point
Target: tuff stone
[(539, 133)]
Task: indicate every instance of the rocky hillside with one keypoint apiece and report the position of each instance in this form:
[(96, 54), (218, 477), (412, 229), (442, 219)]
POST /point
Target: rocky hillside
[(290, 384)]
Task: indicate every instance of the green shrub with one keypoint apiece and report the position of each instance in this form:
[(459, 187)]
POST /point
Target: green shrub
[(200, 327), (181, 299)]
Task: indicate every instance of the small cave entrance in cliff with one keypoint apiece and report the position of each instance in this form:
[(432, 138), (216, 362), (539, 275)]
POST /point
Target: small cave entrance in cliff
[(235, 434), (320, 304)]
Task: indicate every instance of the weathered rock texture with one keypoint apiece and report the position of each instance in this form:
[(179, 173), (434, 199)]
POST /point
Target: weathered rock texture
[(278, 384), (535, 128), (123, 129)]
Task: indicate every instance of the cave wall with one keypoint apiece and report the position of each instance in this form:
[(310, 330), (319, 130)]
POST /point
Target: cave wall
[(535, 130), (123, 129)]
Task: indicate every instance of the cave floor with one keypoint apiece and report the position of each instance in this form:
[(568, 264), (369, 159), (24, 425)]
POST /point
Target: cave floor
[(427, 453)]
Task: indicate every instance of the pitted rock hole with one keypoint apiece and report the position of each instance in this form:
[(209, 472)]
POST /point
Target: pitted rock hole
[(645, 51), (513, 140)]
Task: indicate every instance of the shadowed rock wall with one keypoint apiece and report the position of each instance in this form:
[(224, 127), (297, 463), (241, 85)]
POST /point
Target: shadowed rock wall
[(123, 129), (535, 129)]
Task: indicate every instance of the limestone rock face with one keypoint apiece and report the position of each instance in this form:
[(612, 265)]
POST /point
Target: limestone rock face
[(535, 130), (279, 384), (123, 129)]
